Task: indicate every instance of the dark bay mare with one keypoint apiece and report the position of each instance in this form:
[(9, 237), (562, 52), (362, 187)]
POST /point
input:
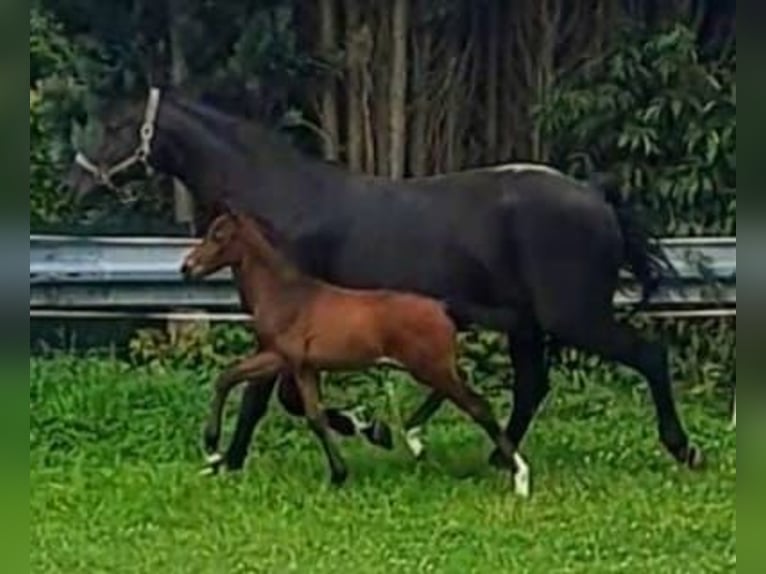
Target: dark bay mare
[(521, 248)]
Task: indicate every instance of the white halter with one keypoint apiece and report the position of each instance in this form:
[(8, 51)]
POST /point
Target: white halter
[(103, 175)]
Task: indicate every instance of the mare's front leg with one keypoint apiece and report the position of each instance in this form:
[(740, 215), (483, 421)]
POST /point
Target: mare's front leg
[(317, 419), (259, 369), (255, 402), (527, 350)]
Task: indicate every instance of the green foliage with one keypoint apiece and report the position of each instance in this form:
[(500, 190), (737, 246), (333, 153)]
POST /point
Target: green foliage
[(702, 358), (655, 113), (194, 347), (45, 201), (55, 98)]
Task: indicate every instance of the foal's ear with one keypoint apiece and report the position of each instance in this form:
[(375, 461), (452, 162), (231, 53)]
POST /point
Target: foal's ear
[(226, 208)]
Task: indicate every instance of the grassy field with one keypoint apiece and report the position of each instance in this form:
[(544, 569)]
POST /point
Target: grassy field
[(114, 454)]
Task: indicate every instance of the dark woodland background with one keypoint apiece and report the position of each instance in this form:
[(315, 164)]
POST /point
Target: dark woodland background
[(410, 88)]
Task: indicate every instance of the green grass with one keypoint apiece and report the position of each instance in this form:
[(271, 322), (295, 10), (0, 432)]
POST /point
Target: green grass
[(114, 455)]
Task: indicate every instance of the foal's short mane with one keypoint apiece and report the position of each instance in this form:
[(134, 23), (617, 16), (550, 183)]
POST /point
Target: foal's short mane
[(275, 242)]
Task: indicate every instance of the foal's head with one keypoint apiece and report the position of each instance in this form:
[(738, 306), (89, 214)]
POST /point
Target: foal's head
[(222, 246), (230, 238)]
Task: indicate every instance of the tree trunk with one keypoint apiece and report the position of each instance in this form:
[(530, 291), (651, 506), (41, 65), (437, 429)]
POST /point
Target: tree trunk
[(507, 77), (328, 105), (381, 73), (182, 199), (492, 72), (353, 89), (421, 50), (398, 88)]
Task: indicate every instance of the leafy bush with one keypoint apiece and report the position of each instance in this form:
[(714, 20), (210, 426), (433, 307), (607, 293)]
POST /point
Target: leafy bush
[(702, 355), (55, 98), (655, 113)]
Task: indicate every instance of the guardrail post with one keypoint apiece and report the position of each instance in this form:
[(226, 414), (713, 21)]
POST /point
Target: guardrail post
[(183, 212)]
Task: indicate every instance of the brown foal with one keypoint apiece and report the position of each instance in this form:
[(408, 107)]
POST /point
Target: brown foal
[(306, 325)]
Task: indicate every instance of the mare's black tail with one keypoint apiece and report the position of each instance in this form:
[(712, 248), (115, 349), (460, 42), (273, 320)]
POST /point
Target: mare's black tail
[(643, 254)]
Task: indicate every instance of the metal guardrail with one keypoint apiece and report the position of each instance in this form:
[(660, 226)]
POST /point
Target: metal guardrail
[(128, 276)]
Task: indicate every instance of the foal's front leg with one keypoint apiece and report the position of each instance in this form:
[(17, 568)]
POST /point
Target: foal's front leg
[(258, 369), (317, 419)]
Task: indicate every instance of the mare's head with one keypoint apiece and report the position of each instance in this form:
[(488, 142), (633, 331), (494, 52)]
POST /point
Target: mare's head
[(120, 140), (222, 246)]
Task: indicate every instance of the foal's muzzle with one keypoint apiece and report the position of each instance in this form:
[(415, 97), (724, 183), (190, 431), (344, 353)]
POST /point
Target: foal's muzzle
[(191, 270)]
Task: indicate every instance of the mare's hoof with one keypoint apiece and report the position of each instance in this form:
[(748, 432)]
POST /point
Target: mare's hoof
[(521, 477), (695, 460), (379, 434), (498, 460), (213, 464), (338, 478)]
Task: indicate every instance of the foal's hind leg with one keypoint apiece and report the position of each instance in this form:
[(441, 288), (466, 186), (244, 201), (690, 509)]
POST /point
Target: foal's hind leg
[(343, 422), (447, 383), (480, 411), (623, 344)]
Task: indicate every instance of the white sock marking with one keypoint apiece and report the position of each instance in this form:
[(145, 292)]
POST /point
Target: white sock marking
[(214, 459), (521, 477), (414, 443)]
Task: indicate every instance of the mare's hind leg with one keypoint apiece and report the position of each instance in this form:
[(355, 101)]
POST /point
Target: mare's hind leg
[(622, 343), (309, 389), (260, 369), (345, 423)]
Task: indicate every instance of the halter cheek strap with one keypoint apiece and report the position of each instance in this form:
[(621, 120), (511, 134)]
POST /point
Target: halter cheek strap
[(103, 175)]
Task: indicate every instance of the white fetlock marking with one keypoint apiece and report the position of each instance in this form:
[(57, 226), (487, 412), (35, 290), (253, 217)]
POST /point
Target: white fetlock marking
[(521, 477), (414, 442), (355, 416), (214, 459)]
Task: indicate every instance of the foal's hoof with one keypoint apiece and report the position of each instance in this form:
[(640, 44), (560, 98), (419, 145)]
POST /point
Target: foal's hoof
[(694, 459), (414, 442), (379, 434)]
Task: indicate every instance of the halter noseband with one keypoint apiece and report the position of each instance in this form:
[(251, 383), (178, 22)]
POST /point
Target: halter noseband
[(103, 175)]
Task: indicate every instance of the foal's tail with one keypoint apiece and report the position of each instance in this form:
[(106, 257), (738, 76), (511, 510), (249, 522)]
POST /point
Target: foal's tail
[(643, 254)]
